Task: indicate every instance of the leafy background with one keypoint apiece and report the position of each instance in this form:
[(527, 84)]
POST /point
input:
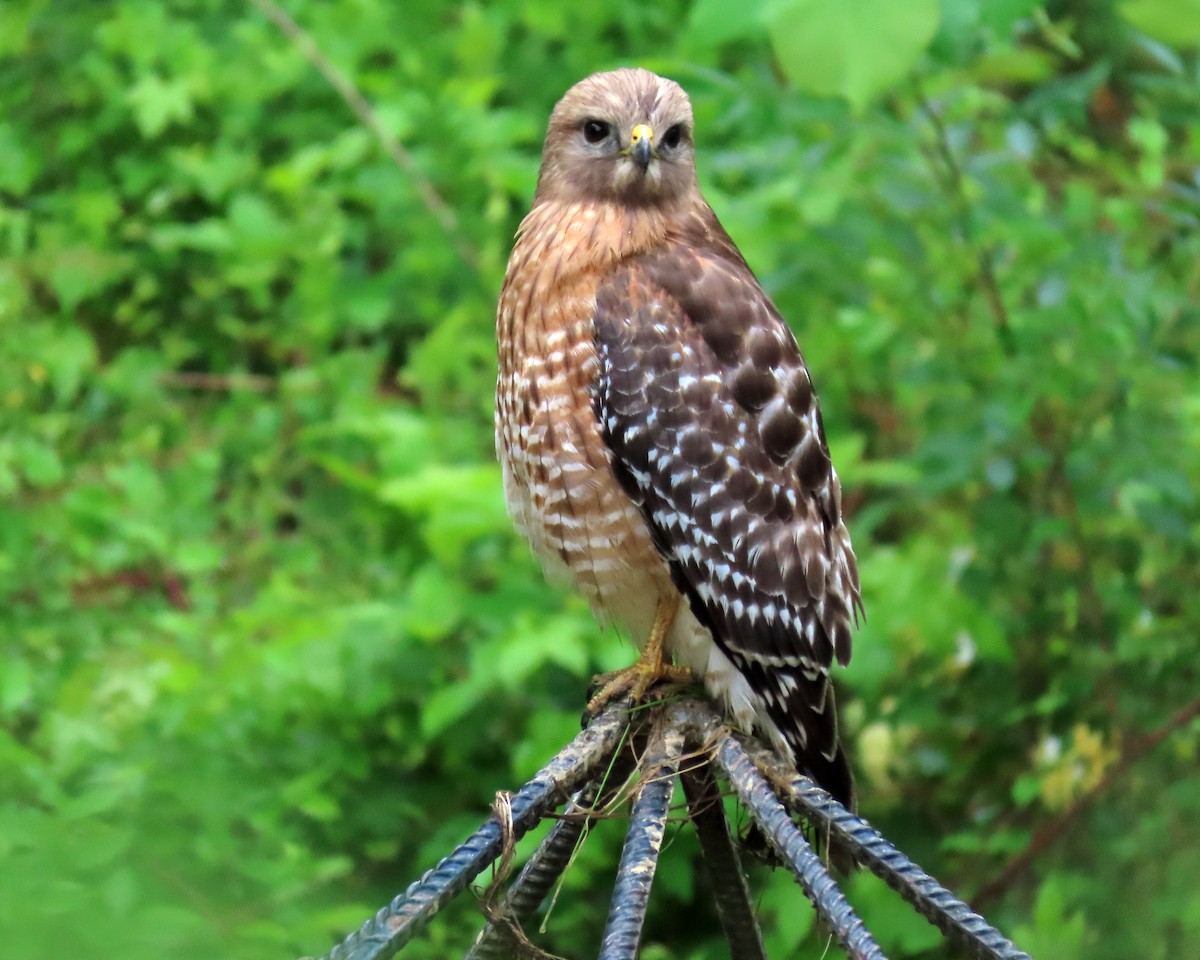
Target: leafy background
[(268, 643)]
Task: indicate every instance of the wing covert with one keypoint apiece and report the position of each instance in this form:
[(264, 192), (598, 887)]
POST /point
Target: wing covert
[(707, 407)]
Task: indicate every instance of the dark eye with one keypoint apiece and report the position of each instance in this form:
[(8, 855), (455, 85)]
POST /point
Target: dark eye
[(595, 130), (672, 137)]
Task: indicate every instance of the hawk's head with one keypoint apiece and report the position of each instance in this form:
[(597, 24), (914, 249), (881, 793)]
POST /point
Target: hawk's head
[(624, 136)]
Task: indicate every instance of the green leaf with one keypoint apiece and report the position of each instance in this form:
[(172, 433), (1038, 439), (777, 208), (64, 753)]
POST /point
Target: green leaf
[(16, 685), (80, 272), (855, 49), (714, 22), (447, 705), (1002, 15), (38, 461), (432, 604), (456, 504), (18, 165), (72, 356), (1174, 22), (1055, 932), (157, 103), (899, 930)]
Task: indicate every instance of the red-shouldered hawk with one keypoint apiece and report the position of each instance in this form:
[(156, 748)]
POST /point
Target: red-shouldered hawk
[(658, 430)]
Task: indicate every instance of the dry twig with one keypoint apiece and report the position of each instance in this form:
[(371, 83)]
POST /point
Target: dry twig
[(362, 109), (217, 382), (1135, 748), (984, 255)]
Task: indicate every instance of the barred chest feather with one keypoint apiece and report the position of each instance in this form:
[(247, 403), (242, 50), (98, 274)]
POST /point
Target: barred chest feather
[(558, 482)]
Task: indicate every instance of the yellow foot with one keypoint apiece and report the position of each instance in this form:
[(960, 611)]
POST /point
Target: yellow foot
[(651, 668), (634, 682)]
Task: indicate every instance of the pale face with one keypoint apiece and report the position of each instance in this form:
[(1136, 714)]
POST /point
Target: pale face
[(625, 137)]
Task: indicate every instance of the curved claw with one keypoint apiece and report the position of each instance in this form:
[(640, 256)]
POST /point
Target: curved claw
[(634, 682)]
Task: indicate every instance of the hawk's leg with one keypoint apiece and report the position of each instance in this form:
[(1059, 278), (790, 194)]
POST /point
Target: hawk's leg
[(653, 666)]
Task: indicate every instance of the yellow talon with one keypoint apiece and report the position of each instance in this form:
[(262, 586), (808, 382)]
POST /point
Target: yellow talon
[(652, 666)]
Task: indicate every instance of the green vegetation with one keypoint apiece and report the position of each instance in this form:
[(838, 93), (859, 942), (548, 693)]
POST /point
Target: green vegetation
[(268, 645)]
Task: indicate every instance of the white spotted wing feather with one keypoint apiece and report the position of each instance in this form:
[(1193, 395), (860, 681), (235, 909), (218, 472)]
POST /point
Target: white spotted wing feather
[(706, 404)]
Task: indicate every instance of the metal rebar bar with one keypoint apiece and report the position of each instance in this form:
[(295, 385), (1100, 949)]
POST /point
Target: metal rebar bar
[(965, 928), (730, 889), (395, 924), (543, 868), (538, 876), (759, 777), (789, 842), (643, 843)]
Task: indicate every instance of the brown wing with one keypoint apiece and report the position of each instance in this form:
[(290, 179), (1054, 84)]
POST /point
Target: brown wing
[(708, 409)]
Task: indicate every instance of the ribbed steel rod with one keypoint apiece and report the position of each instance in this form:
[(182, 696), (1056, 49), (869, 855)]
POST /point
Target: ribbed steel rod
[(643, 843), (789, 843), (724, 867), (962, 926), (494, 941), (395, 924), (545, 866), (965, 928), (760, 779)]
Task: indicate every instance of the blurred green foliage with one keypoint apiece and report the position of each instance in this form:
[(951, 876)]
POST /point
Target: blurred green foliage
[(268, 645)]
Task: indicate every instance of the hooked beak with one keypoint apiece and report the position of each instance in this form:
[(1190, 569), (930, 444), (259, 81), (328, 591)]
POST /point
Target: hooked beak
[(641, 145)]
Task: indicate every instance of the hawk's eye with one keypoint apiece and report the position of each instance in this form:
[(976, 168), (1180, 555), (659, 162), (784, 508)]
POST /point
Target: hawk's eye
[(672, 137), (595, 130)]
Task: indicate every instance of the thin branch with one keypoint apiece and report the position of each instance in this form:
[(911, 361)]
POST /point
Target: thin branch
[(218, 382), (983, 255), (1135, 748), (366, 114)]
